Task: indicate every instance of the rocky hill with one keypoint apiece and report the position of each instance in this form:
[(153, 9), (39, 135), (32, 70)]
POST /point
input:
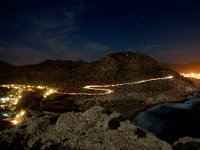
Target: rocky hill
[(91, 130), (115, 68)]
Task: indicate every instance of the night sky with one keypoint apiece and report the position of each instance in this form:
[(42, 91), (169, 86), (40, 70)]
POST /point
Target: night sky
[(34, 30)]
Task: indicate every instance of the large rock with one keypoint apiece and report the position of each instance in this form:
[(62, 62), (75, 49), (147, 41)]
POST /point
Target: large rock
[(94, 129), (187, 143)]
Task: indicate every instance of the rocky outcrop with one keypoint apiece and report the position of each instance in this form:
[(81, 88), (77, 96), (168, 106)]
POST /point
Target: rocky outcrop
[(94, 129), (187, 143)]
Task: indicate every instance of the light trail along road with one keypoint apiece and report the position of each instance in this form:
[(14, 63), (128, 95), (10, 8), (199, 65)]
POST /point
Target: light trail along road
[(105, 88)]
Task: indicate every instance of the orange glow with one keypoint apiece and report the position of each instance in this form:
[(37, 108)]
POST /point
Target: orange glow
[(191, 75)]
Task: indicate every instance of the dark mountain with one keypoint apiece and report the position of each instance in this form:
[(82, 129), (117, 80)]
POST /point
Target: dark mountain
[(6, 71), (127, 67), (114, 68), (5, 65)]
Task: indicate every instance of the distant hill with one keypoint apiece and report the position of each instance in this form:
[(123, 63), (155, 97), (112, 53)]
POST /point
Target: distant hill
[(5, 65), (6, 71), (113, 68), (185, 68)]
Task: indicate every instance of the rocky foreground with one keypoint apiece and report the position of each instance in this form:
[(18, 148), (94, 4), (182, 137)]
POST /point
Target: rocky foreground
[(93, 129)]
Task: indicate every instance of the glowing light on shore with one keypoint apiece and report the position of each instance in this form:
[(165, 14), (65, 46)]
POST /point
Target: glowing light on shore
[(191, 75), (22, 113), (14, 122), (15, 102), (20, 117)]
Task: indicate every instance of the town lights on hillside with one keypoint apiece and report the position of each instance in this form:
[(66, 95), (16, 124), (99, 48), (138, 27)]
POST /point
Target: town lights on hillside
[(49, 92), (11, 99), (40, 87), (191, 75)]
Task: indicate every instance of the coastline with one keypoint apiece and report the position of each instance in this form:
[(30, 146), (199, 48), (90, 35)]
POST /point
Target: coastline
[(131, 111)]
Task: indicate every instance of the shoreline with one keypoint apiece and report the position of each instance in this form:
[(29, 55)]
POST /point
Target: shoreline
[(173, 119), (130, 114)]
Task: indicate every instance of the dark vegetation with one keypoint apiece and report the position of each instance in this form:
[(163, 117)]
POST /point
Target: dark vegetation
[(140, 133), (114, 123), (5, 124), (58, 103), (3, 91), (30, 100)]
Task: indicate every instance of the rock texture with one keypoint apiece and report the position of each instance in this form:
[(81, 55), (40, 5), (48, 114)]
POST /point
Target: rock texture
[(187, 143), (95, 129)]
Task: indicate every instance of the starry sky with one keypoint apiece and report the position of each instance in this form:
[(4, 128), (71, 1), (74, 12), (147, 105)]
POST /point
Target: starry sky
[(35, 30)]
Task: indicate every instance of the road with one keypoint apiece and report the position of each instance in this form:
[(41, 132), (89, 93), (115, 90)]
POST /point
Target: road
[(106, 88)]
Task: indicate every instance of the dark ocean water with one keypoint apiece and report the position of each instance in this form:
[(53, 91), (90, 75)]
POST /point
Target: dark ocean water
[(170, 121)]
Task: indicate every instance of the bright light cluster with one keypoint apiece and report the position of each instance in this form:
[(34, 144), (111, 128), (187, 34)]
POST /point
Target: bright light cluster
[(10, 101), (19, 117), (191, 75)]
